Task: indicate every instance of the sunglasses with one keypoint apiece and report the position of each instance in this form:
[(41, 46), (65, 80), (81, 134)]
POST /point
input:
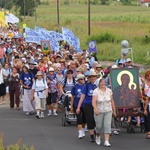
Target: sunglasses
[(81, 79), (120, 64)]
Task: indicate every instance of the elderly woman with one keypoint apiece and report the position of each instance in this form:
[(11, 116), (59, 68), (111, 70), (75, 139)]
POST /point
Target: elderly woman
[(103, 105), (86, 96), (146, 98), (14, 88), (26, 80), (40, 93), (52, 92), (76, 94)]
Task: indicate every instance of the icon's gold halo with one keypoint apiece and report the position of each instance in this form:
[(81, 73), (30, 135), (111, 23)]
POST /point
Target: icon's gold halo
[(131, 78)]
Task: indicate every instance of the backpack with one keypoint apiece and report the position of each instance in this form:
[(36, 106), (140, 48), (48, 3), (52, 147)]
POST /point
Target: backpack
[(42, 79), (40, 90), (66, 82)]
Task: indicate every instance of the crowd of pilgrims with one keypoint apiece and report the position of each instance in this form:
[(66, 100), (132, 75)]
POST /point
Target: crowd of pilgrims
[(37, 82)]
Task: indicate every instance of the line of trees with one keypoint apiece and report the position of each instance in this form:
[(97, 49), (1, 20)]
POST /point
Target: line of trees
[(24, 7)]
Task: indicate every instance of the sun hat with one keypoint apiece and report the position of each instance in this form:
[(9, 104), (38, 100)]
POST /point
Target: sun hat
[(39, 73), (26, 66), (99, 66), (51, 69), (79, 69), (32, 62), (80, 76), (92, 73), (128, 60)]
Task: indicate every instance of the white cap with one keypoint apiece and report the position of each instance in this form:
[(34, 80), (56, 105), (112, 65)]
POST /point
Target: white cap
[(114, 66), (128, 60), (51, 69)]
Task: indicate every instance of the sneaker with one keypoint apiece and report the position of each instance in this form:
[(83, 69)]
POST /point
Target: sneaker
[(92, 139), (80, 135), (37, 116), (17, 108), (49, 114), (116, 132), (98, 140), (85, 129), (27, 113), (83, 133), (55, 114), (42, 115), (107, 144)]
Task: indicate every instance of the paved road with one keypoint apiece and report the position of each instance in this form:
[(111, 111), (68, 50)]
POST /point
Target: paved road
[(48, 134)]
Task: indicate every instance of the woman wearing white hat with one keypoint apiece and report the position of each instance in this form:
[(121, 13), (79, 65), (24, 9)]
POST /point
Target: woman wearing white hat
[(52, 92), (76, 94), (39, 93), (86, 96)]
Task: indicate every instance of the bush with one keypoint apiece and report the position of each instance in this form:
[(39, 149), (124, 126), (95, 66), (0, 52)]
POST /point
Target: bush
[(102, 38), (66, 2), (146, 40), (14, 146), (45, 2), (95, 2), (126, 2)]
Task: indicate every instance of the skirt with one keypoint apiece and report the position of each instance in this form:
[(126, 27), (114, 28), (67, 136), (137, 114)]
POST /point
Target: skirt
[(28, 105)]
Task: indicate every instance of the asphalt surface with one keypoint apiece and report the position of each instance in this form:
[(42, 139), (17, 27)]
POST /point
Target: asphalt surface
[(49, 134)]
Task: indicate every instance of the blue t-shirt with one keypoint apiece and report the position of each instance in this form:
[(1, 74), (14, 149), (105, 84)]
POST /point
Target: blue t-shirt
[(88, 91), (77, 91), (27, 79)]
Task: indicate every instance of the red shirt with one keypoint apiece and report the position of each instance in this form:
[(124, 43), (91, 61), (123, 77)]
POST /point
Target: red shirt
[(42, 69)]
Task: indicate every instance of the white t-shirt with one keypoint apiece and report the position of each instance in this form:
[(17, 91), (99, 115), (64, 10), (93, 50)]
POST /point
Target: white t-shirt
[(103, 99), (39, 87)]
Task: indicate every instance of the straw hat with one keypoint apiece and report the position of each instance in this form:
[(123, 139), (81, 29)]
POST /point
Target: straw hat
[(80, 76), (92, 73), (39, 73)]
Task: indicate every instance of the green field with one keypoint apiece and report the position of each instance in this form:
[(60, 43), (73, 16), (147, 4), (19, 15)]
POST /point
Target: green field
[(122, 22)]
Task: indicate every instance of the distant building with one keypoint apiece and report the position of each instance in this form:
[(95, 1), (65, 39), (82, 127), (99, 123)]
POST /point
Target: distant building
[(145, 3)]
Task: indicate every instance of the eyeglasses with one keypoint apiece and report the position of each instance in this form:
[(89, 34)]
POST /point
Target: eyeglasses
[(120, 64)]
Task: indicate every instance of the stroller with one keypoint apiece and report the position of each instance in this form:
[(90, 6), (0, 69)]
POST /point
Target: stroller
[(68, 117)]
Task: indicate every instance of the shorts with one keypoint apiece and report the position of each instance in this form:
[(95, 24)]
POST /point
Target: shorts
[(40, 103), (51, 98)]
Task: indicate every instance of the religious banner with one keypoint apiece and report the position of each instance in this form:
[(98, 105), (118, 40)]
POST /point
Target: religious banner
[(92, 47), (125, 87), (45, 46)]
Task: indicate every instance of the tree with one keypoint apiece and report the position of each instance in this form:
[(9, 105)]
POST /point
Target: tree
[(19, 5), (29, 6), (6, 4)]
